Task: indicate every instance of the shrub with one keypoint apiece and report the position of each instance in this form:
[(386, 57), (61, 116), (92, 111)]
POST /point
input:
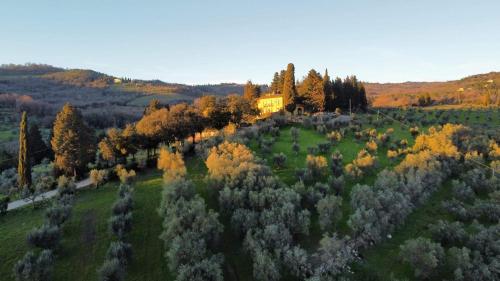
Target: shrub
[(65, 186), (294, 132), (448, 234), (124, 175), (313, 150), (336, 184), (324, 147), (274, 131), (321, 129), (172, 164), (336, 164), (484, 210), (297, 263), (264, 267), (371, 146), (58, 214), (461, 191), (111, 270), (4, 204), (403, 143), (266, 149), (122, 206), (296, 148), (316, 166), (97, 177), (210, 268), (365, 161), (477, 180), (423, 255), (335, 255), (45, 237), (279, 160), (383, 139), (330, 211), (457, 209), (34, 268), (358, 135), (392, 154), (120, 225), (353, 171), (8, 180), (334, 137), (121, 251)]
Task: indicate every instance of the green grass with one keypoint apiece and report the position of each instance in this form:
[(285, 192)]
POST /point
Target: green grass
[(383, 259), (86, 236)]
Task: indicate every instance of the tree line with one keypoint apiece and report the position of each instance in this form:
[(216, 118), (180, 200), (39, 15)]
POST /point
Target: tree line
[(316, 92)]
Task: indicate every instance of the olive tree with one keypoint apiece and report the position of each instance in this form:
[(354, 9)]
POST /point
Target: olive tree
[(423, 255)]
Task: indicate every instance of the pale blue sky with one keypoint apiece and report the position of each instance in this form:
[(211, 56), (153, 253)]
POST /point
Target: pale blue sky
[(232, 41)]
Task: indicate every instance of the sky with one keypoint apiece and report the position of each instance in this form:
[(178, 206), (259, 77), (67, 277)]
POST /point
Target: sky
[(213, 41)]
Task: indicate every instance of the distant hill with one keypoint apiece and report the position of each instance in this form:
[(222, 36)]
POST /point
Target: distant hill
[(407, 93), (43, 89), (27, 69), (90, 90)]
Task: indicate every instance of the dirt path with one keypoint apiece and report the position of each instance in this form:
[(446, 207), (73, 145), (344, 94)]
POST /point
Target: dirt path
[(49, 194)]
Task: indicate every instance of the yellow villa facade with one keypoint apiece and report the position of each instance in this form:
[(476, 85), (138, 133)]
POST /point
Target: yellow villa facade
[(270, 104)]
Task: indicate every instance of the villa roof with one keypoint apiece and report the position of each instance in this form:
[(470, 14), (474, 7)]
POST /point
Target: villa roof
[(270, 96)]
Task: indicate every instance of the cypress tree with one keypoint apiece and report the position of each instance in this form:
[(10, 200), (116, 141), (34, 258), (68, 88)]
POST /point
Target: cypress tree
[(289, 89), (24, 166), (38, 147), (363, 100), (328, 90)]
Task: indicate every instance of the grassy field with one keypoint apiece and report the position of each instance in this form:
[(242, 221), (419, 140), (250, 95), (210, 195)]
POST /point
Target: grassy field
[(86, 236)]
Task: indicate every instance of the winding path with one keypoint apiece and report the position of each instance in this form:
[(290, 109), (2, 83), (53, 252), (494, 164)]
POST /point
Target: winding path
[(49, 194)]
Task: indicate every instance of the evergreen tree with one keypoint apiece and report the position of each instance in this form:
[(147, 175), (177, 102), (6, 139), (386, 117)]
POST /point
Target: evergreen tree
[(312, 91), (363, 101), (289, 90), (282, 80), (251, 92), (72, 142), (39, 149), (328, 91), (24, 166), (338, 94), (276, 85)]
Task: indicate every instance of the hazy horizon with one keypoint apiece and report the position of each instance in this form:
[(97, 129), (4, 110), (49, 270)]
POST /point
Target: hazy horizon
[(223, 41)]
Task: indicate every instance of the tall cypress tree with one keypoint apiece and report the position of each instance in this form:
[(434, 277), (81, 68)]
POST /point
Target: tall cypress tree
[(24, 166), (38, 147), (289, 89)]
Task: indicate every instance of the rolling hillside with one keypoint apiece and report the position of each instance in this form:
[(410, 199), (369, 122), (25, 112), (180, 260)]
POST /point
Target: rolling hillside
[(43, 89), (407, 93)]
